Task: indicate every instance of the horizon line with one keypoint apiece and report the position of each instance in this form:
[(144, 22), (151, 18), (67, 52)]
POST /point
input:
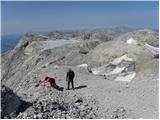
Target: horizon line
[(80, 29)]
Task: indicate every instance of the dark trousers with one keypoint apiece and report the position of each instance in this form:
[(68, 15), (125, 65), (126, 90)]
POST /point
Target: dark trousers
[(57, 87), (70, 81)]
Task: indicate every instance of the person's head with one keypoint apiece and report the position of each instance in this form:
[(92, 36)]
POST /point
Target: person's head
[(69, 69), (46, 78)]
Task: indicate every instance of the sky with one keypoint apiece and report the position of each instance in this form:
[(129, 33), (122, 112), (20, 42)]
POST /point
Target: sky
[(20, 17)]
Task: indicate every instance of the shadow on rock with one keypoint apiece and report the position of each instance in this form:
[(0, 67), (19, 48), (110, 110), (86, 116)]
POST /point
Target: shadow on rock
[(80, 87), (11, 104), (24, 106), (58, 87)]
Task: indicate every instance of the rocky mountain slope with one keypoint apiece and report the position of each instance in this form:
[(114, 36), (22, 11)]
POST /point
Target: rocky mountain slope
[(97, 95)]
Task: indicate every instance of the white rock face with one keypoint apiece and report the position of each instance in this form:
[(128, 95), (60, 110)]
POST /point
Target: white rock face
[(131, 41)]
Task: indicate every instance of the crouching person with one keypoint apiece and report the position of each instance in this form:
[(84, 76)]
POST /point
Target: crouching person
[(49, 80), (52, 83)]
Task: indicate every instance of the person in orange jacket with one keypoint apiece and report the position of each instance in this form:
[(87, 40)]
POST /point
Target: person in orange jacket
[(48, 80)]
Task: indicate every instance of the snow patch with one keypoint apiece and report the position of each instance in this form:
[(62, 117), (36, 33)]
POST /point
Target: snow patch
[(126, 78), (120, 69), (82, 65), (119, 60), (56, 43), (43, 36), (152, 49), (95, 72), (131, 41), (115, 71)]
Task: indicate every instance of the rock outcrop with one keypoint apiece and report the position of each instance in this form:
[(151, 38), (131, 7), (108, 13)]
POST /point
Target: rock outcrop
[(10, 102)]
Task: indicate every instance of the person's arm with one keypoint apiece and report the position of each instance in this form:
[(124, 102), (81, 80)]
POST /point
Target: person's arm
[(67, 77), (44, 81), (73, 74)]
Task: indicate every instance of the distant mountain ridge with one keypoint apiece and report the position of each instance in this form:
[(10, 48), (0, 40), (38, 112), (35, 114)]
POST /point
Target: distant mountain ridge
[(8, 42)]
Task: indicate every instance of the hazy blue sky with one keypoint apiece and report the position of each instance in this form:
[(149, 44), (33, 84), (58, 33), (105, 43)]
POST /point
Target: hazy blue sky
[(21, 17)]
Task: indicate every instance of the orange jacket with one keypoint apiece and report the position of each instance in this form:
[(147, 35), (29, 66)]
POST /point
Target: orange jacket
[(48, 80)]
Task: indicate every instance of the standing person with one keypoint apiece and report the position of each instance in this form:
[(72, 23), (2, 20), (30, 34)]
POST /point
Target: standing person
[(69, 78)]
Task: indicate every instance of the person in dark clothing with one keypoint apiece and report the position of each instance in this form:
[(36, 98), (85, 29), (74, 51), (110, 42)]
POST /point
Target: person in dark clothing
[(69, 78)]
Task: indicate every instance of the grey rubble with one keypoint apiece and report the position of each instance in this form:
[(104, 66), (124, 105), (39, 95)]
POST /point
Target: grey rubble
[(94, 96)]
